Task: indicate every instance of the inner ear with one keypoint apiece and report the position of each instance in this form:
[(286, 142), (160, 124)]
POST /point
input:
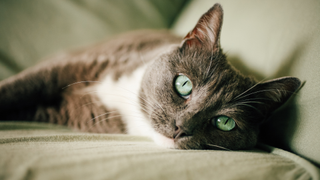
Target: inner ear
[(270, 95), (206, 33)]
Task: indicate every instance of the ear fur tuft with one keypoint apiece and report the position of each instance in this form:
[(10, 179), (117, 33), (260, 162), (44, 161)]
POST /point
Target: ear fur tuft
[(206, 33)]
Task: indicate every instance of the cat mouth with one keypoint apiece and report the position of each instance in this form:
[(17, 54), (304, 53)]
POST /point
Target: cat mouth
[(172, 143)]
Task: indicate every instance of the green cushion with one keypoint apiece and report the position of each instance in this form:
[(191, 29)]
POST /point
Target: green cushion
[(271, 39), (31, 30), (38, 152)]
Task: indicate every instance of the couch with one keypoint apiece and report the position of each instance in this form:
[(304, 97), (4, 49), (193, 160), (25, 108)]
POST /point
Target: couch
[(267, 39)]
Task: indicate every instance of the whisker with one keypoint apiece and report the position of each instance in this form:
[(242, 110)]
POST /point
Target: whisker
[(248, 105), (101, 115), (143, 108), (246, 102), (105, 119), (265, 90), (221, 147), (111, 94), (252, 99), (79, 82), (139, 96), (149, 104), (125, 98), (248, 90)]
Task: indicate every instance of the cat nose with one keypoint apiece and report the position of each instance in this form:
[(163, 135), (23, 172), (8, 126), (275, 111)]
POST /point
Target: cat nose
[(179, 133)]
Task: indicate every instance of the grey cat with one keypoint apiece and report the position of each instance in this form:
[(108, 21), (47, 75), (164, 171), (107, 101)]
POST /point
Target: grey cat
[(182, 94)]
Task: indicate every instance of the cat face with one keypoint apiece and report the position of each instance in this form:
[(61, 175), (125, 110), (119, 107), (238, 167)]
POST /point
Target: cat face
[(190, 119), (196, 100)]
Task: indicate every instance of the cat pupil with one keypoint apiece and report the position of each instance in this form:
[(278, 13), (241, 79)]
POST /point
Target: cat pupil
[(184, 83), (226, 121)]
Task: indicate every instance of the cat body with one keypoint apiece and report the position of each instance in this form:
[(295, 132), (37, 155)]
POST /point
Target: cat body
[(181, 93), (83, 81)]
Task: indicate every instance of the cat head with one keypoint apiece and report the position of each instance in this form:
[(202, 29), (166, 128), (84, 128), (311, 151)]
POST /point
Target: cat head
[(196, 100)]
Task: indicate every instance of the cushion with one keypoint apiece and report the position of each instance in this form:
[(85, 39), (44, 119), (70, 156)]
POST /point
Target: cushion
[(270, 39), (41, 151), (32, 30)]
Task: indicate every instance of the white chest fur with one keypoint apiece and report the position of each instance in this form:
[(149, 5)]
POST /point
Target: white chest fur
[(123, 95)]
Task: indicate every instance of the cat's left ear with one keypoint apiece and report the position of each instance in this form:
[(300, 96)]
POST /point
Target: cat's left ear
[(206, 33), (273, 93)]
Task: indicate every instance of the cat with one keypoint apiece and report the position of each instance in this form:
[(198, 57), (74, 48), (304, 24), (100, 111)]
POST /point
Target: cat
[(182, 93)]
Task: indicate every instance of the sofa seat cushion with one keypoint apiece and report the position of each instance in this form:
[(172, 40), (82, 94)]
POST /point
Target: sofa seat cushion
[(44, 151)]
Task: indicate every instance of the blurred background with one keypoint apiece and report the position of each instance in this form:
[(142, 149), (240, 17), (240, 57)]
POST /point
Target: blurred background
[(32, 30)]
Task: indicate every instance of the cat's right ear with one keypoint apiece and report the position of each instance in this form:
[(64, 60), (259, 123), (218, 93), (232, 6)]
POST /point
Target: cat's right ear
[(206, 33)]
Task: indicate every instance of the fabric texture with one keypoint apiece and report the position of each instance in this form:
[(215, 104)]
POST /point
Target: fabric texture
[(39, 151), (270, 39), (32, 30)]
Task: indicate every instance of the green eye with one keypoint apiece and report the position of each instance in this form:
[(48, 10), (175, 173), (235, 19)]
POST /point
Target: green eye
[(224, 123), (183, 85)]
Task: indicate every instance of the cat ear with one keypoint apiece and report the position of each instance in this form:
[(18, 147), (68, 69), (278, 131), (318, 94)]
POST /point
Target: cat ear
[(272, 94), (206, 33)]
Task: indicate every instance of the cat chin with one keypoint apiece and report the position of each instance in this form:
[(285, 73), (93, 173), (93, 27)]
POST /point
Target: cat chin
[(163, 141)]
